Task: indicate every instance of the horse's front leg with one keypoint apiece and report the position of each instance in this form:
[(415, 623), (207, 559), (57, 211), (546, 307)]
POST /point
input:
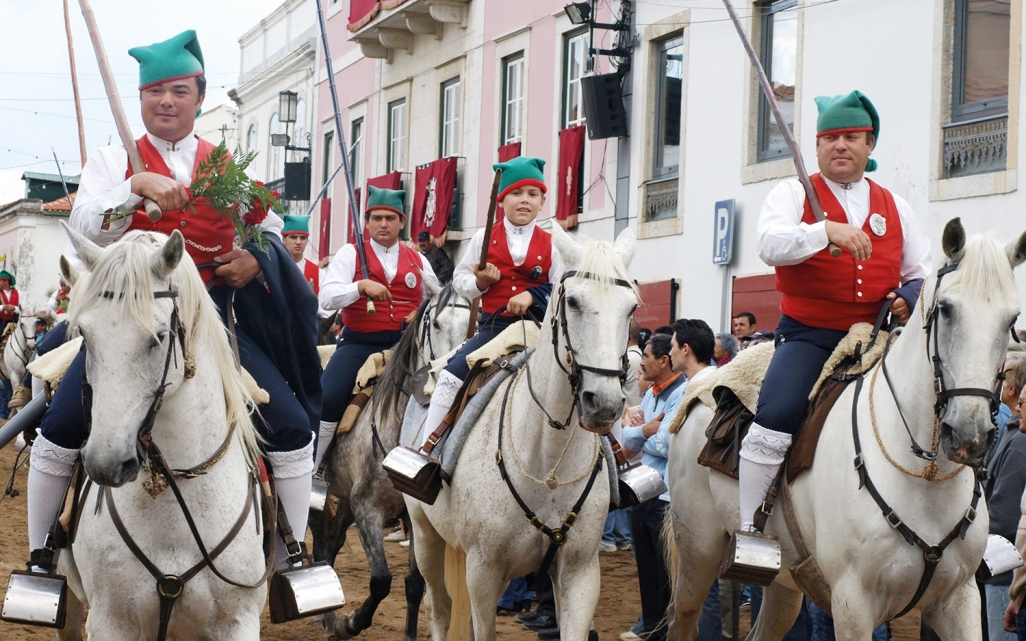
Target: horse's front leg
[(369, 523), (780, 609), (485, 585), (854, 611), (429, 547), (958, 615), (577, 593), (414, 588)]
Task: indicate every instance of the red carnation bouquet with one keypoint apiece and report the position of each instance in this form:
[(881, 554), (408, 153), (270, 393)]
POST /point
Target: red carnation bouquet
[(221, 179)]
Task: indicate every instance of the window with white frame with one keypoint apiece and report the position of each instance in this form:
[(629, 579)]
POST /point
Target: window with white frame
[(575, 67), (397, 135), (669, 80), (513, 99), (356, 150), (327, 166), (251, 139), (450, 125), (976, 137), (778, 22), (274, 168)]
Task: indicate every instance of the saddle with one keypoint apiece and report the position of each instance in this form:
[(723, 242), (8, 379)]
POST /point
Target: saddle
[(366, 378), (734, 396)]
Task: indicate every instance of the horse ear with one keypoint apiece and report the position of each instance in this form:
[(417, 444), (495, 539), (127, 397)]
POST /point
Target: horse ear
[(568, 248), (87, 250), (953, 239), (624, 245), (68, 271), (1017, 251), (166, 260), (431, 286)]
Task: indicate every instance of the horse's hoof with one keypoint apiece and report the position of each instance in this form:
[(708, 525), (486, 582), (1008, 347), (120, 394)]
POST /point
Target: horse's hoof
[(343, 629)]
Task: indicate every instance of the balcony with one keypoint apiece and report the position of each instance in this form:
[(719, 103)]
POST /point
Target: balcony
[(396, 23), (976, 147)]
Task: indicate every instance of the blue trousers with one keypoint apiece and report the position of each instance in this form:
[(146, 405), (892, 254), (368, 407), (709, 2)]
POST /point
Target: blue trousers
[(797, 362), (490, 326), (618, 528), (339, 377), (1020, 624), (283, 423), (6, 392), (517, 590)]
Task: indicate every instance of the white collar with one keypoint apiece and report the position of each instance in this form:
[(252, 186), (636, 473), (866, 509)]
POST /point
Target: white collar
[(381, 249), (515, 230), (187, 144), (858, 184)]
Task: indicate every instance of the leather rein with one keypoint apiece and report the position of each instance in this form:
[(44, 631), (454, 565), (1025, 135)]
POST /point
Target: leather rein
[(931, 553), (170, 586)]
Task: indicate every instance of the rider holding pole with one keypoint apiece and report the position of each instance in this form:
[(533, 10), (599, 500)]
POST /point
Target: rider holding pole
[(886, 256), (275, 313), (395, 283)]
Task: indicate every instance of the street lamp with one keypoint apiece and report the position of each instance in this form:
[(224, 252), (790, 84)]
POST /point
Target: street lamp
[(578, 12), (287, 105)]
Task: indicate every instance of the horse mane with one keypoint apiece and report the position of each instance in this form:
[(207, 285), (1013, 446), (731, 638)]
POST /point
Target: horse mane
[(394, 383), (984, 273), (123, 277), (602, 260)]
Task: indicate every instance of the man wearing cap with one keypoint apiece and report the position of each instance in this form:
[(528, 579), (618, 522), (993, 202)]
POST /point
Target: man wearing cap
[(885, 256), (440, 261), (8, 298), (274, 315), (517, 278), (395, 283), (296, 236)]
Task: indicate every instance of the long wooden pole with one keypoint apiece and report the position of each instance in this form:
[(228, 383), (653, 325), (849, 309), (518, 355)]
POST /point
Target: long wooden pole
[(492, 205), (134, 159), (74, 86), (785, 129)]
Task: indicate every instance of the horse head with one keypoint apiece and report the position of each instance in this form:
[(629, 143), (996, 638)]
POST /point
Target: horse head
[(968, 314), (126, 310), (590, 311)]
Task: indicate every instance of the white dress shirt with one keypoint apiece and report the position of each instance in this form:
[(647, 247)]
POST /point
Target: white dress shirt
[(103, 189), (785, 240), (338, 289), (518, 239)]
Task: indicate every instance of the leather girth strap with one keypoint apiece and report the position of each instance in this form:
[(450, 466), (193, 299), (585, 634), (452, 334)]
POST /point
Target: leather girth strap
[(558, 535), (931, 553)]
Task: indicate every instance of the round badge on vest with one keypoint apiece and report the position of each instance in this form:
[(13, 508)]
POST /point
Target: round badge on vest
[(878, 224), (536, 272), (411, 280)]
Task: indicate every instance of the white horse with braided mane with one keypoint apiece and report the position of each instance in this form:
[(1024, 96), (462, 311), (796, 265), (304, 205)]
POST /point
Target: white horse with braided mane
[(148, 322), (476, 519), (868, 572)]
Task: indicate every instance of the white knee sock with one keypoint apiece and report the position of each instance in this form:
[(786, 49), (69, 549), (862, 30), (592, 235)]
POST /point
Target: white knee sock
[(327, 432), (762, 453), (441, 402), (292, 479), (48, 478)]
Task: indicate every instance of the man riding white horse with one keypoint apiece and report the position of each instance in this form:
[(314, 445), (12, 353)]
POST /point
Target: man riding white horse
[(275, 315), (396, 281), (887, 257)]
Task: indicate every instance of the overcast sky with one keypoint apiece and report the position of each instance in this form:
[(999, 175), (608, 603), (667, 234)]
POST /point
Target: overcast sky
[(37, 111)]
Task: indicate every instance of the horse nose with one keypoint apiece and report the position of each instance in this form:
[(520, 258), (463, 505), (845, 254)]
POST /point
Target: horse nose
[(598, 411), (114, 475)]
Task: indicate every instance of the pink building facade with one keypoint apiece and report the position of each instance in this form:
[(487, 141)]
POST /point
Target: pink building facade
[(419, 81)]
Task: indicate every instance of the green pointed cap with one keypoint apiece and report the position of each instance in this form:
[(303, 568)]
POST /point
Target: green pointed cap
[(851, 112), (391, 199), (6, 274), (519, 172), (296, 225), (174, 59)]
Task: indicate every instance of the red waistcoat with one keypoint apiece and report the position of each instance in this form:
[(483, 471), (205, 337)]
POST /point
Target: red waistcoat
[(516, 279), (312, 273), (207, 233), (406, 289), (835, 293), (8, 298)]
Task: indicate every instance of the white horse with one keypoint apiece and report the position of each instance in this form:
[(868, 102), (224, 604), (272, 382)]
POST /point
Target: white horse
[(871, 572), (18, 349), (148, 323), (477, 516), (355, 476)]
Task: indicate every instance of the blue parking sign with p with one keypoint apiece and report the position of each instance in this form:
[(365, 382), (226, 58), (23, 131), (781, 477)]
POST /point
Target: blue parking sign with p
[(723, 232)]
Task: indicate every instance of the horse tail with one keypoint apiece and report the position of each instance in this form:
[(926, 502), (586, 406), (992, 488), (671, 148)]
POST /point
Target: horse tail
[(670, 552), (456, 586)]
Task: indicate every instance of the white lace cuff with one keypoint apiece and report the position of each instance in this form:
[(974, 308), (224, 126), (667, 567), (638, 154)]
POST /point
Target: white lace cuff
[(764, 446), (288, 465), (51, 458)]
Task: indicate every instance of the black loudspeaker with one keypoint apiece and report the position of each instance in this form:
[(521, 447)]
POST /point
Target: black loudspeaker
[(603, 106), (297, 181)]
